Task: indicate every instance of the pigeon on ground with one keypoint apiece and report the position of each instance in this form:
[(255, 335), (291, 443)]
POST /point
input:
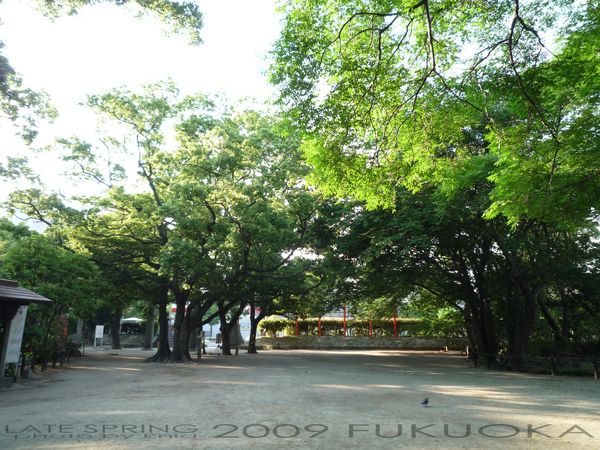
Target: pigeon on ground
[(425, 402)]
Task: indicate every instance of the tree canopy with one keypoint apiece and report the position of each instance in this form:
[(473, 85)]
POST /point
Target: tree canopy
[(216, 211), (388, 91), (183, 18), (26, 107)]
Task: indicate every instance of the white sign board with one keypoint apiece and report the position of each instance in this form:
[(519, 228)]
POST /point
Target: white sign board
[(99, 335), (15, 336)]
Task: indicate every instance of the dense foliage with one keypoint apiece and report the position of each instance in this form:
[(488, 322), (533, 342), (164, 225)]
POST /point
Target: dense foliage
[(388, 91), (459, 140)]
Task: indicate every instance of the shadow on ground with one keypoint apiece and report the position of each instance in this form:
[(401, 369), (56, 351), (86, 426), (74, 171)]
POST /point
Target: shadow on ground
[(297, 399)]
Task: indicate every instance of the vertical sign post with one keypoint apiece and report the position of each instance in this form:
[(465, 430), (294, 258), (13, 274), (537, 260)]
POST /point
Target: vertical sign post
[(99, 335)]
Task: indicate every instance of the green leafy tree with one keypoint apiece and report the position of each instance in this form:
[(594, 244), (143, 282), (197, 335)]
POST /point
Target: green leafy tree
[(22, 106), (70, 280), (242, 212), (183, 18), (122, 231), (25, 107), (217, 205), (387, 91), (504, 281)]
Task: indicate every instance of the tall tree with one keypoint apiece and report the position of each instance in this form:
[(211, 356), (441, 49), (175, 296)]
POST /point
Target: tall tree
[(218, 203), (26, 107), (387, 89), (183, 18), (70, 280), (242, 212)]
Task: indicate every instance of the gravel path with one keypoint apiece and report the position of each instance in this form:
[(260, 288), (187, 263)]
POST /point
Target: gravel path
[(301, 399)]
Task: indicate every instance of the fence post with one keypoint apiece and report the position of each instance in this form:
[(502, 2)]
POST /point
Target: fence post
[(552, 365), (596, 375)]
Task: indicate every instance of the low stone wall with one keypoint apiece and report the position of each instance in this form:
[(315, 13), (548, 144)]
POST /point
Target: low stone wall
[(360, 343)]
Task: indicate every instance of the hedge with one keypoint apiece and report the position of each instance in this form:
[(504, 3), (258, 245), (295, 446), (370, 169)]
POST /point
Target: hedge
[(335, 327)]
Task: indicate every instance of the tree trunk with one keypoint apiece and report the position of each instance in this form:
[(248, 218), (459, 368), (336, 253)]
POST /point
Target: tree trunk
[(523, 331), (483, 330), (226, 327), (566, 313), (469, 328), (181, 337), (225, 341), (115, 329), (548, 316), (491, 340), (193, 340), (149, 334), (163, 352), (181, 341), (525, 324), (254, 321), (481, 335)]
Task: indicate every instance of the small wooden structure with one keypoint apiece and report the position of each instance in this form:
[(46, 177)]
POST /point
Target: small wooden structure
[(13, 309)]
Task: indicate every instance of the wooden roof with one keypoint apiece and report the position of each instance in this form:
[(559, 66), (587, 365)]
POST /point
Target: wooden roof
[(10, 292)]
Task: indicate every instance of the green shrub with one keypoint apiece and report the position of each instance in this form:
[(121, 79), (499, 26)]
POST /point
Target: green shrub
[(380, 327)]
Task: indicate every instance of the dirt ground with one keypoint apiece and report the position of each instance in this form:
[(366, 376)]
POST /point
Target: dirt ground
[(302, 399)]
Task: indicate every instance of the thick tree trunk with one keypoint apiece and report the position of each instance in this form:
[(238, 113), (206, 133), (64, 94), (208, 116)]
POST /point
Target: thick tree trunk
[(149, 334), (254, 321), (483, 330), (181, 337), (192, 341), (115, 329), (226, 327), (491, 340), (523, 331), (181, 348), (225, 341), (163, 352), (485, 349), (548, 316), (529, 294)]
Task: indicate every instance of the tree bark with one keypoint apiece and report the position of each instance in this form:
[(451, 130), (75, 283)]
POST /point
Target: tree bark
[(529, 294), (548, 316), (225, 341), (115, 329), (226, 327), (483, 329), (181, 341), (566, 313), (149, 334), (163, 352), (523, 329), (181, 332), (254, 321)]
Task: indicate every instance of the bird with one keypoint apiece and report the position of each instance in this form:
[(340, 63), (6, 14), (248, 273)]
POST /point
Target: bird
[(425, 401)]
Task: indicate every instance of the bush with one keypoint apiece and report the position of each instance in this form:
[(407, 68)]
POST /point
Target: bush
[(273, 326), (380, 327)]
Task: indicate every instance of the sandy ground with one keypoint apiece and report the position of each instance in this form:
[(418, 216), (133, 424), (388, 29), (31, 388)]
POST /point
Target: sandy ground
[(296, 399)]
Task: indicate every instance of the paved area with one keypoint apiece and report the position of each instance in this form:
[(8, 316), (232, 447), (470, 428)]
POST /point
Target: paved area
[(296, 399)]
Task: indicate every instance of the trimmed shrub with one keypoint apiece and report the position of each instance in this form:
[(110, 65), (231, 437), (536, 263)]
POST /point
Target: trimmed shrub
[(380, 327)]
